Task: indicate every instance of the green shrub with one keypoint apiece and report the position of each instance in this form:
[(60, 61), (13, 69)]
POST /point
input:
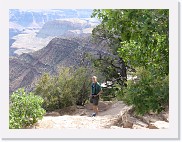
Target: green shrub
[(25, 109), (65, 89), (108, 94), (148, 93)]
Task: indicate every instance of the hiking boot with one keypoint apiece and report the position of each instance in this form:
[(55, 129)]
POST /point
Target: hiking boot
[(94, 114)]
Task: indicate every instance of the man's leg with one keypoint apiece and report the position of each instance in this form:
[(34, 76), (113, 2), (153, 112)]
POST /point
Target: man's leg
[(95, 106), (96, 109)]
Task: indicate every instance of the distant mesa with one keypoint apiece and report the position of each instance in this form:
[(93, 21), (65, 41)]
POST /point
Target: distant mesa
[(30, 29), (61, 27), (38, 17)]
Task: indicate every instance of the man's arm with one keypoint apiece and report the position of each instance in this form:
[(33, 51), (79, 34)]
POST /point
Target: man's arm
[(99, 93)]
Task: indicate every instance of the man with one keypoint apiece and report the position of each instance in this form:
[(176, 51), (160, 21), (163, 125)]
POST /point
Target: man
[(96, 92)]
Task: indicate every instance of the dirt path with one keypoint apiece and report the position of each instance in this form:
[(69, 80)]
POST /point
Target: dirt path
[(109, 113)]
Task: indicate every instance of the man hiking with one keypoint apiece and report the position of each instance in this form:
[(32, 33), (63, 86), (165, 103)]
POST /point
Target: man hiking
[(96, 92)]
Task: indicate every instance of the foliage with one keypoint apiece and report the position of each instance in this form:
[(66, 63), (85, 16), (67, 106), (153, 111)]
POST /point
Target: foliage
[(25, 109), (103, 37), (147, 93), (110, 67), (108, 94), (141, 38), (66, 89), (143, 35)]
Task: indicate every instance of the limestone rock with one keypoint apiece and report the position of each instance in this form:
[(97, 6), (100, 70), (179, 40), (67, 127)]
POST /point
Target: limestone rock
[(127, 124), (138, 127), (137, 122), (159, 125), (165, 117), (152, 126)]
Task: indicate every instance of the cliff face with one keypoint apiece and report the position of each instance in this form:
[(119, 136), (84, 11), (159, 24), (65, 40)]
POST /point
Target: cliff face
[(31, 30), (64, 26), (44, 40), (28, 67)]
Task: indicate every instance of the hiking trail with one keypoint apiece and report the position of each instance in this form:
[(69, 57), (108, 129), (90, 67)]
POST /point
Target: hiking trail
[(110, 115)]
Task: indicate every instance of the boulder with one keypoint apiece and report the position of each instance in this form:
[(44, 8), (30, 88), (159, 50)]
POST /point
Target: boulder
[(159, 125), (127, 124), (152, 126)]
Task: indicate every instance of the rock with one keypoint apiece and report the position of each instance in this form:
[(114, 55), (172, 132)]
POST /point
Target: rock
[(53, 113), (159, 125), (138, 127), (80, 107), (152, 117), (115, 127), (142, 124), (124, 118), (137, 122), (70, 26), (165, 117), (83, 113), (125, 111), (152, 126), (127, 124), (25, 69)]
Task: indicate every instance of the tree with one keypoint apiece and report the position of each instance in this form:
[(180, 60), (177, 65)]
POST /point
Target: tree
[(141, 39), (143, 36)]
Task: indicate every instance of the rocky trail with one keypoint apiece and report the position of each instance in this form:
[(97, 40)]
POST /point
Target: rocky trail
[(112, 115)]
